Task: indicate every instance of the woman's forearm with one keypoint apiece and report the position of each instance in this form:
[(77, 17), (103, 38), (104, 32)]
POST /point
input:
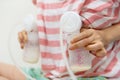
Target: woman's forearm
[(10, 72), (112, 33), (3, 78)]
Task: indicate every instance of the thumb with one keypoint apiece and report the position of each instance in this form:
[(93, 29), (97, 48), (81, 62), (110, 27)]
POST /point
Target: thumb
[(83, 29)]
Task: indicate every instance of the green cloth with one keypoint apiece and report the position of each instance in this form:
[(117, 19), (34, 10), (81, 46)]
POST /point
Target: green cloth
[(34, 73), (37, 74)]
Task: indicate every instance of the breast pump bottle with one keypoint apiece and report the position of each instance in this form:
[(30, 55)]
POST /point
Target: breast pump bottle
[(79, 59), (31, 49)]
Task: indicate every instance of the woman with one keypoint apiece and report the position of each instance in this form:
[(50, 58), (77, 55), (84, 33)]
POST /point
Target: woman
[(99, 34)]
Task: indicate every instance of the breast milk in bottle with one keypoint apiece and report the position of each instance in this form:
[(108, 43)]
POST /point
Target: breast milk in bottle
[(79, 59), (31, 49)]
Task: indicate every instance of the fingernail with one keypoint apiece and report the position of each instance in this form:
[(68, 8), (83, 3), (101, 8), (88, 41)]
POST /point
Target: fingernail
[(72, 41), (71, 48), (22, 47)]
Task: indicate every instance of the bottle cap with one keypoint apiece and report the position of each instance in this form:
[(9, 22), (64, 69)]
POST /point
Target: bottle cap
[(70, 22)]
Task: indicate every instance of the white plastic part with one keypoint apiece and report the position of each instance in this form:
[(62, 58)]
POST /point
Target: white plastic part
[(30, 23), (31, 49), (16, 53), (70, 25), (70, 22)]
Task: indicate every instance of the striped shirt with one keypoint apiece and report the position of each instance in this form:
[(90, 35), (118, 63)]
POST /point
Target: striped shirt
[(97, 14)]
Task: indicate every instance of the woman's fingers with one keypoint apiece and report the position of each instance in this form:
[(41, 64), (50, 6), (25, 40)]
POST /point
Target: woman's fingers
[(101, 53), (82, 35), (95, 46), (81, 43), (22, 37), (97, 49), (90, 39), (25, 38)]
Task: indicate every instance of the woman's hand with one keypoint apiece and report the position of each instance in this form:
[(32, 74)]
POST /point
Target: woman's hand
[(23, 38), (91, 39)]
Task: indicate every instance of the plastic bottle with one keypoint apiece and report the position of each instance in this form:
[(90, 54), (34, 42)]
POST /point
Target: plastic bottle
[(31, 49), (80, 59)]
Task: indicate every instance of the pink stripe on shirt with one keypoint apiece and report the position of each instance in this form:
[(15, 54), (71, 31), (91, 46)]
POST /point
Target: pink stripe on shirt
[(45, 5), (56, 56), (49, 18), (48, 30), (46, 42)]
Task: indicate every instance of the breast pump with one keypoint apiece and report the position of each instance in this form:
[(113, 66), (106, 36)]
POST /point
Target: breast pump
[(71, 24), (27, 59), (78, 60), (31, 49)]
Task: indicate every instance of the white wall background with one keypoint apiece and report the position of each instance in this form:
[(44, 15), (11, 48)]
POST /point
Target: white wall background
[(12, 12)]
